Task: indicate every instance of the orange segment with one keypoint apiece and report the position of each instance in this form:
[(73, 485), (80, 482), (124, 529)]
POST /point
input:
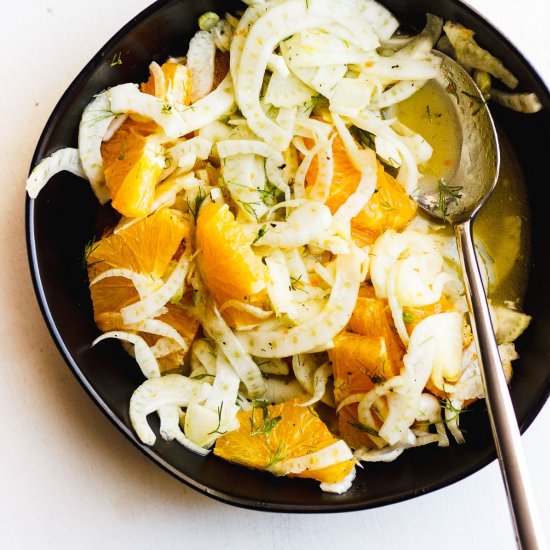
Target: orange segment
[(351, 430), (132, 165), (146, 247), (109, 296), (230, 269), (176, 87), (178, 317), (271, 434), (413, 315), (345, 176), (389, 207), (358, 363), (372, 317)]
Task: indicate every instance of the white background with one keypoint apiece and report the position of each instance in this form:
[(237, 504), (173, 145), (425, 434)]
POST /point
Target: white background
[(68, 478)]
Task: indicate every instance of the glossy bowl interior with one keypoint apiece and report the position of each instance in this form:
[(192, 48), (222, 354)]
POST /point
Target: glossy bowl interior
[(57, 233)]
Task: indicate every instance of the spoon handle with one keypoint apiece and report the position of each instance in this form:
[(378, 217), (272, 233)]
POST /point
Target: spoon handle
[(504, 424)]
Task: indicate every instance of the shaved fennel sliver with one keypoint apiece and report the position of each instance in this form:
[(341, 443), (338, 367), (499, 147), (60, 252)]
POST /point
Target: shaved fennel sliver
[(380, 18), (200, 60), (165, 346), (320, 379), (127, 98), (469, 53), (198, 147), (94, 124), (281, 389), (320, 190), (152, 395), (240, 34), (304, 224), (430, 412), (309, 155), (427, 350), (333, 454), (248, 308), (146, 307), (287, 91), (247, 370), (522, 103), (395, 68), (67, 159), (232, 147), (205, 423), (273, 366), (276, 64), (160, 328), (423, 43), (144, 356), (250, 169), (396, 94), (143, 283), (408, 174), (205, 353), (278, 286), (316, 332)]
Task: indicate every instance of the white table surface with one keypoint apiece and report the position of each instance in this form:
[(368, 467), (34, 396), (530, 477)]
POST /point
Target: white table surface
[(68, 478)]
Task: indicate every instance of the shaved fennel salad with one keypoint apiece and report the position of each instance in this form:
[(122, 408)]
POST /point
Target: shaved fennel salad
[(288, 305)]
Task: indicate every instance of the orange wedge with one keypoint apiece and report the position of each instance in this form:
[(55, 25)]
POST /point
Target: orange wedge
[(358, 363), (109, 296), (372, 317), (413, 315), (146, 247), (389, 207), (271, 434), (229, 267), (132, 163), (175, 87), (345, 176)]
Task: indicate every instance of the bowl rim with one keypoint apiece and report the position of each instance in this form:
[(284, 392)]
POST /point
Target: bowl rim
[(246, 503)]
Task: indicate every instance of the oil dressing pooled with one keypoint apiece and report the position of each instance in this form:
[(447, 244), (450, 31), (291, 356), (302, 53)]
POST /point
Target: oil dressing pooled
[(501, 228), (430, 113)]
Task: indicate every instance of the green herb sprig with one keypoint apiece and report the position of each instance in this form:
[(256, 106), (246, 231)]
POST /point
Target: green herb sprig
[(217, 430), (194, 206), (477, 101), (89, 248), (116, 60), (362, 428), (448, 194), (363, 137), (268, 423)]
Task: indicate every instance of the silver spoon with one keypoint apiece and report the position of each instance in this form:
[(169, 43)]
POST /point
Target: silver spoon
[(457, 201)]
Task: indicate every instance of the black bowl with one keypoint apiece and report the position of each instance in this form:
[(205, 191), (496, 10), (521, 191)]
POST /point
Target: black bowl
[(66, 215)]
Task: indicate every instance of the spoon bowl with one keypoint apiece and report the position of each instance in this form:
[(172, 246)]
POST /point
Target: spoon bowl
[(459, 197)]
